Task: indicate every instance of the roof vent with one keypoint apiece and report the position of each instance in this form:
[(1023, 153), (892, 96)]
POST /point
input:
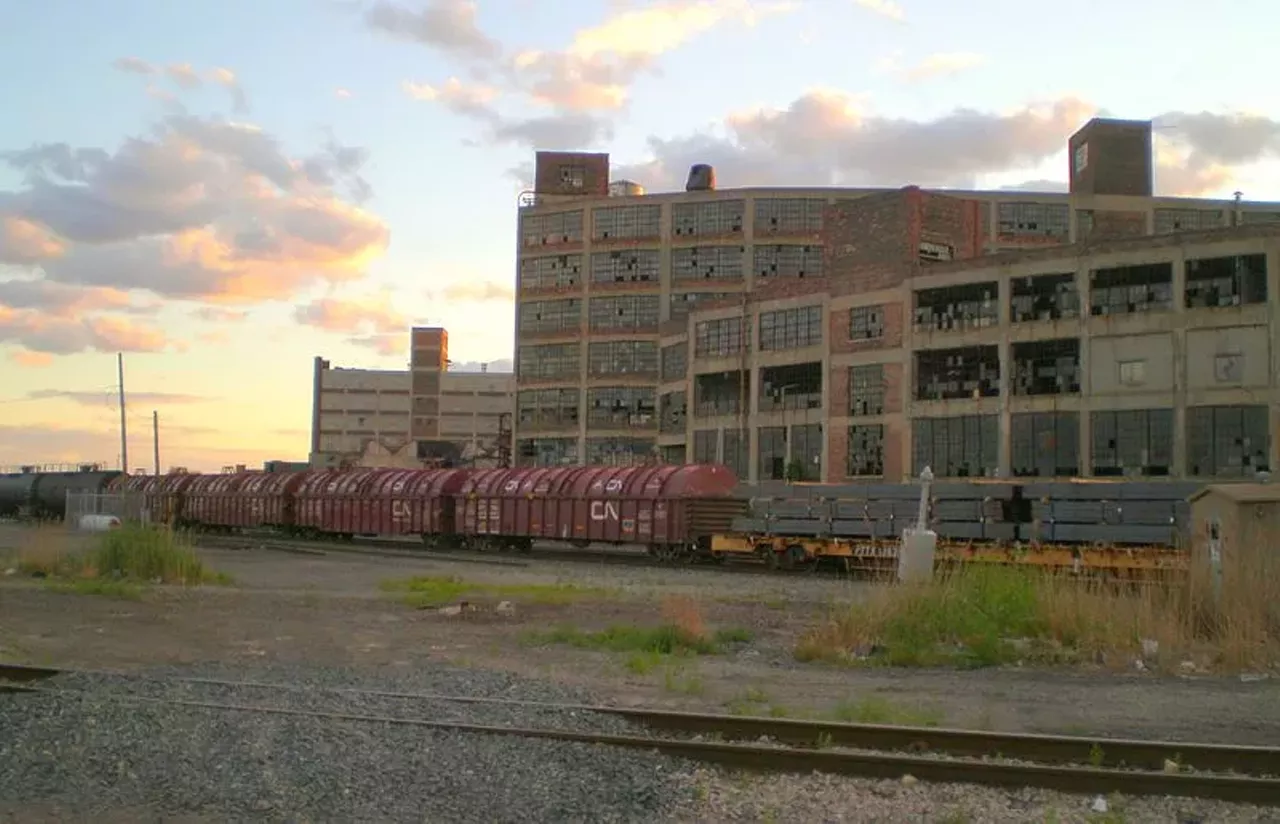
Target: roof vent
[(702, 178)]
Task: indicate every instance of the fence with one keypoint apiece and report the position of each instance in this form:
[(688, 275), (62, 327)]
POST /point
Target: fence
[(129, 508)]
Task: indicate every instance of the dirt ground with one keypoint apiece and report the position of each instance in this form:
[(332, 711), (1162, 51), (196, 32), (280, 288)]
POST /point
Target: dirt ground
[(330, 610)]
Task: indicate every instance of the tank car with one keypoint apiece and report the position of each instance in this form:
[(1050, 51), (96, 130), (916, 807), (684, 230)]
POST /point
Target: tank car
[(44, 494)]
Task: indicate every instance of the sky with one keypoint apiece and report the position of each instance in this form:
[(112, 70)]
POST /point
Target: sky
[(223, 190)]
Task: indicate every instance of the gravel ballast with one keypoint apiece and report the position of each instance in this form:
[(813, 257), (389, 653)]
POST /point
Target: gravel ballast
[(85, 755)]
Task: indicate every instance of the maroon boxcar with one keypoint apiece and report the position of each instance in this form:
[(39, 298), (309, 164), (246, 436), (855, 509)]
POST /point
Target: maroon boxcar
[(661, 507), (166, 498), (411, 501), (334, 502), (267, 499), (210, 499)]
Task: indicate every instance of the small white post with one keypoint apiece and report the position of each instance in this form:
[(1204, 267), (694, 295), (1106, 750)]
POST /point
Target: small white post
[(919, 543)]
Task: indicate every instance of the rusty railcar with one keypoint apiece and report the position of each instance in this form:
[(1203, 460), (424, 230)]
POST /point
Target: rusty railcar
[(411, 502), (259, 499), (669, 509)]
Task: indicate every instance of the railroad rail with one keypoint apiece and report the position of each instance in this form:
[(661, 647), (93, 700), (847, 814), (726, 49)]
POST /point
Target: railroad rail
[(1064, 763)]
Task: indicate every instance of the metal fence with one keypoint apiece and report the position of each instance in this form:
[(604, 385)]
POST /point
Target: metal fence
[(129, 508)]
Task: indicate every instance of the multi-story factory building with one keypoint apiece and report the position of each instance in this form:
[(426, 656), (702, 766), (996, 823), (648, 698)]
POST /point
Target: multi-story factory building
[(847, 334), (375, 417)]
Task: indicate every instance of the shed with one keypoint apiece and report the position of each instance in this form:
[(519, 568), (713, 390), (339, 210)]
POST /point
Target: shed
[(1235, 538)]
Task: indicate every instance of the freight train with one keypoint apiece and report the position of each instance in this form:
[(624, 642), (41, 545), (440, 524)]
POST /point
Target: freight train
[(674, 510)]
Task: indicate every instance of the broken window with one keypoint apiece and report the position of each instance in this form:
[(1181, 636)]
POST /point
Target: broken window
[(720, 393), (866, 322), (1045, 444), (707, 263), (550, 272), (675, 362), (705, 443), (636, 222), (618, 451), (1046, 367), (788, 215), (866, 390), (546, 451), (737, 452), (790, 328), (866, 451), (551, 315), (715, 217), (673, 454), (623, 357), (1235, 280), (1121, 290), (547, 408), (631, 266), (771, 462), (965, 446), (1168, 221), (966, 372), (620, 407), (1228, 441), (1034, 220), (632, 312), (1043, 297), (952, 308), (674, 410), (723, 337), (551, 229), (788, 261), (794, 386), (680, 304), (555, 360), (1132, 442), (806, 451), (573, 177)]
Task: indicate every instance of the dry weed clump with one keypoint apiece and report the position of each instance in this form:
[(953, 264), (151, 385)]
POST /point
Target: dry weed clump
[(683, 613), (984, 616)]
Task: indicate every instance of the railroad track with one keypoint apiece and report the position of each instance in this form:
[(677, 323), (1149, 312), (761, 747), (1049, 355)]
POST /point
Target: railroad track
[(1069, 764)]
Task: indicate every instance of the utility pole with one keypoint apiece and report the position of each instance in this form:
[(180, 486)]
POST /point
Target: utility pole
[(124, 433), (155, 438)]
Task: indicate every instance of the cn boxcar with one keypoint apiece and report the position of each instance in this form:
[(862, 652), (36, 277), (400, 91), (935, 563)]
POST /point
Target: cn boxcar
[(669, 509)]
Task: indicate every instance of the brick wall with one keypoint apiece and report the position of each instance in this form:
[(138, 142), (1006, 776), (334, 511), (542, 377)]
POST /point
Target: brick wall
[(954, 221), (547, 166), (893, 388), (868, 232)]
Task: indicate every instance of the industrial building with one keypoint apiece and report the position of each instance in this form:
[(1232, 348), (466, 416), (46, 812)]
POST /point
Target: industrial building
[(832, 334), (410, 418)]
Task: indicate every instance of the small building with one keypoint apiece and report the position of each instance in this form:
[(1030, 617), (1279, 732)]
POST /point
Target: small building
[(1235, 538)]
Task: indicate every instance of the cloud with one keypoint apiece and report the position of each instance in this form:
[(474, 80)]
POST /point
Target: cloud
[(342, 94), (186, 78), (582, 86), (31, 360), (198, 208), (369, 321), (52, 443), (133, 65), (884, 8), (384, 343), (109, 397), (477, 292), (38, 332), (220, 314), (943, 64), (24, 242), (65, 301), (828, 137)]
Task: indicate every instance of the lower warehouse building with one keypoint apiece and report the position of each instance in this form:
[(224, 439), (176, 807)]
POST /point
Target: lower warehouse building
[(1145, 356)]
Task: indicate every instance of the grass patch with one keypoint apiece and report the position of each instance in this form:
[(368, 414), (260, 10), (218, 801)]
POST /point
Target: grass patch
[(441, 590), (872, 710), (665, 639), (987, 615), (121, 563)]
